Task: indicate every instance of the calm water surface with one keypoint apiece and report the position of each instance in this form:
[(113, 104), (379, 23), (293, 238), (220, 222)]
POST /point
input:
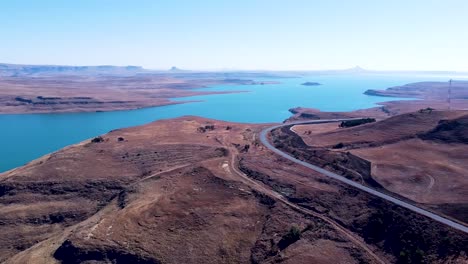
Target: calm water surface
[(26, 137)]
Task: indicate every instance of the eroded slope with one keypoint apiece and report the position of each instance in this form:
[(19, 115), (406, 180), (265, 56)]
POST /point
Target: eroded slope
[(167, 192)]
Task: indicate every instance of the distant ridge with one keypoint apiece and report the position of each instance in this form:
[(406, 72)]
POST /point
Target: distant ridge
[(175, 69), (34, 70), (358, 69), (8, 69)]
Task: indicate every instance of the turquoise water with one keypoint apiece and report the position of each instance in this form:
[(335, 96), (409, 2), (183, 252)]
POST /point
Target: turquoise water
[(29, 136)]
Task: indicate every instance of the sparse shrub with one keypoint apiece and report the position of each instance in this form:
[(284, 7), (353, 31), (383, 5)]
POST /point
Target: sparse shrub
[(426, 110), (221, 152), (339, 145), (245, 149), (97, 140), (205, 128), (23, 100), (120, 139), (293, 235)]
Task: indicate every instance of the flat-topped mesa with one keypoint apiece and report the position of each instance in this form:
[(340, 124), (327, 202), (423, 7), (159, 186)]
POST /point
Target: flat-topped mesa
[(311, 84), (426, 90), (175, 69), (39, 70)]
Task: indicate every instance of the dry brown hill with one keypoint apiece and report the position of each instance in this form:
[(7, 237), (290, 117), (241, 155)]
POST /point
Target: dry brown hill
[(420, 156), (193, 190), (449, 131)]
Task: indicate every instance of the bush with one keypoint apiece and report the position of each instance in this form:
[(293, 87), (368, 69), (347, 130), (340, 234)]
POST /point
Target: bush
[(293, 235), (339, 145), (23, 100), (426, 110), (205, 128), (357, 122), (97, 140)]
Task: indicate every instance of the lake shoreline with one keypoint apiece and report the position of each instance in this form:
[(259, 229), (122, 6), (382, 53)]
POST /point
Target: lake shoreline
[(121, 107), (28, 136), (77, 94)]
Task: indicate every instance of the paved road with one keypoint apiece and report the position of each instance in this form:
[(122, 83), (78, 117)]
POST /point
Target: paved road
[(438, 218)]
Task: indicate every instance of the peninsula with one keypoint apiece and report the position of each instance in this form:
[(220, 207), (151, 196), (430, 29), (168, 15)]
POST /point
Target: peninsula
[(54, 89)]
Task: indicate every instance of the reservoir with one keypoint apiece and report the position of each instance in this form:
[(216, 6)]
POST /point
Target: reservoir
[(25, 137)]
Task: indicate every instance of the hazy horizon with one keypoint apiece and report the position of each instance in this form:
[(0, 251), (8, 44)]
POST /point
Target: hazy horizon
[(243, 35), (357, 67)]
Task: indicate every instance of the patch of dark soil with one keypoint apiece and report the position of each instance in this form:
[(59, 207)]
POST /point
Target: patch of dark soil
[(68, 253), (5, 189), (293, 235), (122, 199), (221, 152), (101, 191), (63, 217), (264, 199)]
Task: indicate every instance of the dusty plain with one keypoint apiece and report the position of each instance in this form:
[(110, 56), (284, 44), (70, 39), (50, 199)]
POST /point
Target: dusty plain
[(97, 93)]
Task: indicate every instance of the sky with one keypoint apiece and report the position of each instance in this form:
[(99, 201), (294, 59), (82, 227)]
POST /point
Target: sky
[(238, 34)]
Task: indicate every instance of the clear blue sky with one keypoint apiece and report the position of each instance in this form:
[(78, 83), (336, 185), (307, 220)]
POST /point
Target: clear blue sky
[(238, 34)]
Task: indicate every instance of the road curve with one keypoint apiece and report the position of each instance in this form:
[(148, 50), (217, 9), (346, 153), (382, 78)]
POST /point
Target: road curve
[(438, 218)]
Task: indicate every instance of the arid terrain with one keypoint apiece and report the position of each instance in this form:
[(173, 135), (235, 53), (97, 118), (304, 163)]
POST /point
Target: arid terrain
[(53, 89), (194, 190), (419, 156), (416, 152), (96, 93), (437, 95), (234, 132)]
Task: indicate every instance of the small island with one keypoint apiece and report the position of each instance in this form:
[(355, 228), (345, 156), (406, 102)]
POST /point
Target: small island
[(311, 84)]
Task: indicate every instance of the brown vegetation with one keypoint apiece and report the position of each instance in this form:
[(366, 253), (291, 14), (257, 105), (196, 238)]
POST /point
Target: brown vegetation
[(167, 194), (419, 156), (192, 190)]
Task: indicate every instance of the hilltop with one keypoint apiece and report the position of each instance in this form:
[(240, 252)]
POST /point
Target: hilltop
[(195, 190)]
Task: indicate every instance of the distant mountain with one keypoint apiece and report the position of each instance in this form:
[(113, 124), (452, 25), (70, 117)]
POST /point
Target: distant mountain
[(175, 69), (34, 70), (356, 69)]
